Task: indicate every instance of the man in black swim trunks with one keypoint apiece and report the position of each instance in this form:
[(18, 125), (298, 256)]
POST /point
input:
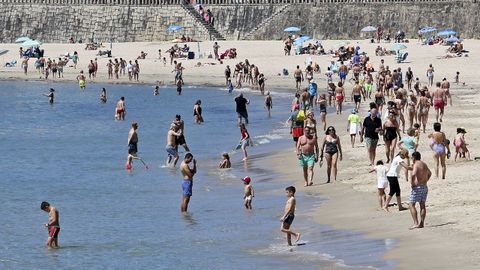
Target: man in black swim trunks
[(133, 139), (298, 75), (372, 125), (180, 140), (242, 108)]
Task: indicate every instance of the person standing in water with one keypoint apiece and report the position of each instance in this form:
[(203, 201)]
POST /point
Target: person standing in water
[(245, 141), (268, 102), (248, 192), (103, 95), (289, 215), (50, 96), (197, 112), (53, 224), (120, 109), (180, 140), (133, 139), (187, 182), (81, 80), (242, 108), (171, 147)]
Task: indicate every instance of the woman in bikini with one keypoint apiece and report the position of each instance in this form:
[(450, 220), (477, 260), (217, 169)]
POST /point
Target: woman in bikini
[(440, 147), (310, 122), (333, 149), (339, 97), (412, 109), (322, 102), (423, 106), (390, 137), (197, 112), (379, 99)]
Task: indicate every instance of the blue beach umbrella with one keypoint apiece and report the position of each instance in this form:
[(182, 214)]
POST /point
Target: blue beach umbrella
[(454, 39), (31, 43), (22, 39), (446, 32), (398, 47), (291, 29), (172, 28), (300, 40), (428, 29)]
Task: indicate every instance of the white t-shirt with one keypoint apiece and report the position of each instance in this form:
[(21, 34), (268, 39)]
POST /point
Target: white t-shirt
[(130, 67), (381, 172), (396, 167)]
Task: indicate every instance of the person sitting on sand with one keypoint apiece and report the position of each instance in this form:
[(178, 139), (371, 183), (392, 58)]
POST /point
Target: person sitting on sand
[(142, 55)]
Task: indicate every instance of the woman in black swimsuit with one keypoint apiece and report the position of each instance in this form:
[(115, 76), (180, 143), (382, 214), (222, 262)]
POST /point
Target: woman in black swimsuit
[(322, 102), (333, 148), (390, 137), (379, 99), (197, 112)]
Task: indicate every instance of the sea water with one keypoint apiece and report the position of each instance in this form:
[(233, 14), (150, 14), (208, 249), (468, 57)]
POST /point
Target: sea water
[(72, 154)]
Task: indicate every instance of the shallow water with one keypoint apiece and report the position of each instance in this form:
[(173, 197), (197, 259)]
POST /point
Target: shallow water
[(72, 154)]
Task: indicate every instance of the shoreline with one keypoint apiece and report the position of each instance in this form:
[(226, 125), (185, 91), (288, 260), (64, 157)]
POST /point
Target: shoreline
[(352, 204)]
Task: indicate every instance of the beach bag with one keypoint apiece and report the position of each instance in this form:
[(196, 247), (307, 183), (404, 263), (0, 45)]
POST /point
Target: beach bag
[(301, 115), (285, 72)]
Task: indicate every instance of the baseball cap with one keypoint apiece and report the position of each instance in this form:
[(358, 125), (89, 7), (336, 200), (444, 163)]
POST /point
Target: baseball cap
[(247, 179)]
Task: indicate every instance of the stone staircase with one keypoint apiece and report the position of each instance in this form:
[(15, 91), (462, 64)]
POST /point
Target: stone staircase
[(250, 34), (214, 34)]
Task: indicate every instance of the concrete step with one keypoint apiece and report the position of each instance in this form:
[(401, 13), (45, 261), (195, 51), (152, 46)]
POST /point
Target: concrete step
[(210, 29)]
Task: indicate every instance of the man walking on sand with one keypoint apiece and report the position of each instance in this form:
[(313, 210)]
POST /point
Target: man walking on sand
[(372, 125), (420, 176), (439, 101), (187, 182), (298, 75), (307, 154)]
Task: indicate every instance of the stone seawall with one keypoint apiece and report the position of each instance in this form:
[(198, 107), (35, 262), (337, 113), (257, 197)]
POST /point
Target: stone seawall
[(57, 23), (345, 20), (126, 23)]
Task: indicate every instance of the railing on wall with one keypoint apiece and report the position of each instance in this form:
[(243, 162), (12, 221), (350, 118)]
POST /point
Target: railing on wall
[(214, 2)]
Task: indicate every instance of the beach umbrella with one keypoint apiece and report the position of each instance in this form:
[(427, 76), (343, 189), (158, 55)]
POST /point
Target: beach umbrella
[(428, 29), (369, 29), (446, 32), (300, 40), (31, 43), (21, 39), (291, 29), (172, 28), (454, 39), (398, 47)]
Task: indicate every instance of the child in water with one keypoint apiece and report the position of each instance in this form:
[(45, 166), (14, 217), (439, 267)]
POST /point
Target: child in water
[(229, 85), (248, 192), (131, 156), (225, 164)]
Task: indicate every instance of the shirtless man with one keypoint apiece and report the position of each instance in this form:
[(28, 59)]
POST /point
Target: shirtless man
[(305, 99), (187, 182), (342, 72), (25, 65), (357, 93), (439, 101), (298, 75), (171, 147), (446, 86), (420, 176), (51, 95), (430, 71), (181, 129), (289, 215), (120, 109), (133, 139), (53, 224), (307, 154)]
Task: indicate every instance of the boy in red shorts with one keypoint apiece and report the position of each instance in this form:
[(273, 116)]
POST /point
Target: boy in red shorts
[(53, 224)]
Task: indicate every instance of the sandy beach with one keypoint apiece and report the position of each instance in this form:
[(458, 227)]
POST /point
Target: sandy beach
[(452, 233)]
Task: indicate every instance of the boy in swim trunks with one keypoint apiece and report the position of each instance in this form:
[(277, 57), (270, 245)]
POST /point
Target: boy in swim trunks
[(248, 192), (53, 224), (289, 215), (187, 182)]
